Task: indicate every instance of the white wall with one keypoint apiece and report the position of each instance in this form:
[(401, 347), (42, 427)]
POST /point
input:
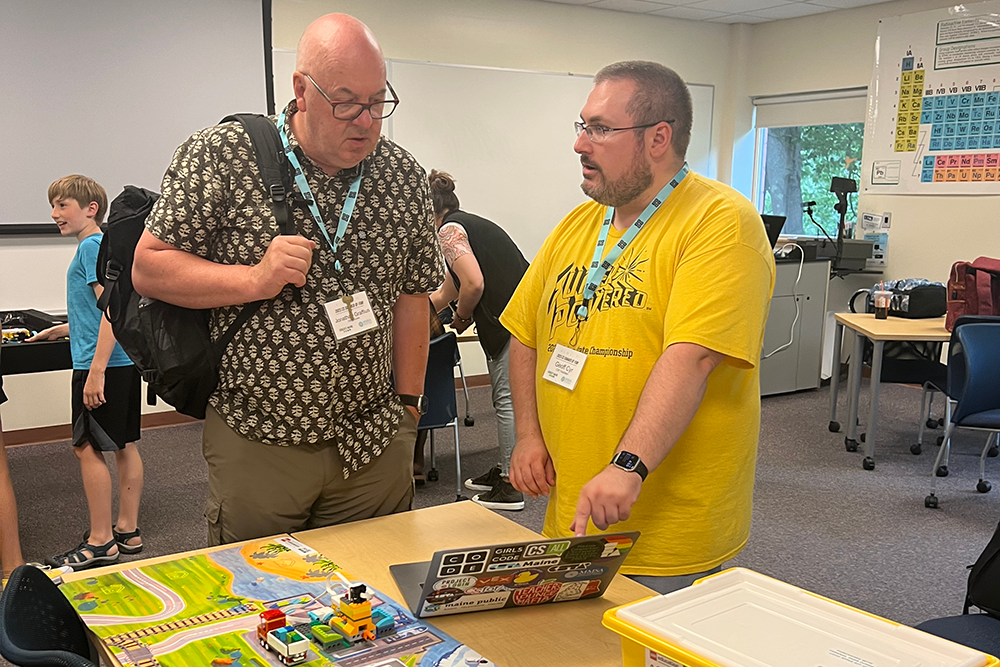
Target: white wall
[(836, 50), (524, 34)]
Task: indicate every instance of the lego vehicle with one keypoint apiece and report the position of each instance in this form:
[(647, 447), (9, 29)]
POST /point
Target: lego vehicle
[(274, 635), (354, 619)]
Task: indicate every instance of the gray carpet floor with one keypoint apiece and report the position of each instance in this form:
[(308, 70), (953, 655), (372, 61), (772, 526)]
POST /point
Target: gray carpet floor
[(820, 521)]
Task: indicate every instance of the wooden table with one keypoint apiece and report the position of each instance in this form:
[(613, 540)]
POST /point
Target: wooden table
[(862, 326), (567, 633)]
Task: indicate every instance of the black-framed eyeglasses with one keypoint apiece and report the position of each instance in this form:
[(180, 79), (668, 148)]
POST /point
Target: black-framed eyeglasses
[(351, 110), (598, 133)]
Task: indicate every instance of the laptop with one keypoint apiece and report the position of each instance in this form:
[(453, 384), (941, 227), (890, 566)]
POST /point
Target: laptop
[(773, 225), (517, 574)]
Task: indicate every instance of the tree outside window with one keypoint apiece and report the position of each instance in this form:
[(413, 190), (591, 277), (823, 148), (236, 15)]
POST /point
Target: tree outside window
[(796, 164)]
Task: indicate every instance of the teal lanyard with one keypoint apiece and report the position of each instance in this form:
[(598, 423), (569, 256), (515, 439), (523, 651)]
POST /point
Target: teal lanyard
[(300, 180), (599, 269)]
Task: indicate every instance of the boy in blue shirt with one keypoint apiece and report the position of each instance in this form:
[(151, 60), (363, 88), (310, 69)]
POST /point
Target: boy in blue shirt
[(106, 386)]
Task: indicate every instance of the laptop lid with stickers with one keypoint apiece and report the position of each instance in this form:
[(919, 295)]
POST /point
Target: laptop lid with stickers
[(518, 574)]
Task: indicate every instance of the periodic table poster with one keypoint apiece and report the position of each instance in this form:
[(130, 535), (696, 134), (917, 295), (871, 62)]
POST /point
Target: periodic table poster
[(934, 104)]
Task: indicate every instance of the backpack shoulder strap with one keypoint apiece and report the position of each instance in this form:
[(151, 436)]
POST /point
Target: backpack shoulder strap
[(274, 169), (272, 164)]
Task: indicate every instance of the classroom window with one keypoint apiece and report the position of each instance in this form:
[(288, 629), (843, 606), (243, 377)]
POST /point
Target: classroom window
[(795, 164)]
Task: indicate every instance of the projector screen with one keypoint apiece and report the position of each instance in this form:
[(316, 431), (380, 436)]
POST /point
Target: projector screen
[(110, 88)]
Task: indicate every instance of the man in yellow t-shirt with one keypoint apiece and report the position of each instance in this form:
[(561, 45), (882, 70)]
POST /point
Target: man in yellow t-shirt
[(635, 380)]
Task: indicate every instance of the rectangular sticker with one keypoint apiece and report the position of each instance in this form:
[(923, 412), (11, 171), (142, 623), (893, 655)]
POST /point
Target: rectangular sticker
[(466, 603)]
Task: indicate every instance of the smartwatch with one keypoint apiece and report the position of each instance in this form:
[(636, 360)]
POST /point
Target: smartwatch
[(630, 462), (418, 402)]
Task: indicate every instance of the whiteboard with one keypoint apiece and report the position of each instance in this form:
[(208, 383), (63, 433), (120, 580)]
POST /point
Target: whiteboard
[(110, 89), (506, 136)]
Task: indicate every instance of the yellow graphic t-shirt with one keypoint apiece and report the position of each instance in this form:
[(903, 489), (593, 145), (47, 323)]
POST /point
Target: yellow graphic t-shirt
[(701, 271)]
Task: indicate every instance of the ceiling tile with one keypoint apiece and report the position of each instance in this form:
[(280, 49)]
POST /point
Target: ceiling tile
[(634, 6), (739, 18), (790, 11), (846, 4), (689, 13), (737, 6), (572, 2)]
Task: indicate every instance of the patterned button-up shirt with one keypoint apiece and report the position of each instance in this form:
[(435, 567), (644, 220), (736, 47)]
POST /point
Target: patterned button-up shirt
[(285, 379)]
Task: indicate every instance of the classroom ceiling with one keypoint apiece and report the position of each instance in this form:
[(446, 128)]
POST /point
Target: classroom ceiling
[(724, 11)]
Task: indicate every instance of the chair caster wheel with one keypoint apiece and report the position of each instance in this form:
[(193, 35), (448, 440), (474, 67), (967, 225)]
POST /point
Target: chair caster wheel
[(915, 450), (862, 437), (834, 427), (932, 423), (868, 463), (942, 471), (470, 421), (940, 440), (993, 451), (432, 475), (941, 421), (850, 445), (931, 502), (983, 486)]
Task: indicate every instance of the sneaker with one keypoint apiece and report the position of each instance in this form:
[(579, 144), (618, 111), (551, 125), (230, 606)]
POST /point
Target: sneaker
[(484, 482), (503, 496)]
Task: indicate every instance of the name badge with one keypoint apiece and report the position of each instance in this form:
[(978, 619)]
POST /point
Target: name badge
[(564, 367), (350, 315)]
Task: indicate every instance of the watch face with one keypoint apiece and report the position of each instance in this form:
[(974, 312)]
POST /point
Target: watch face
[(627, 460)]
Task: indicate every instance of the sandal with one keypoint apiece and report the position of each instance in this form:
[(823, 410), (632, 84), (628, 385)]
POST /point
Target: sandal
[(79, 560), (122, 540)]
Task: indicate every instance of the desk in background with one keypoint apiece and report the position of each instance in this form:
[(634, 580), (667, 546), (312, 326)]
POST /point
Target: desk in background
[(862, 326), (48, 355)]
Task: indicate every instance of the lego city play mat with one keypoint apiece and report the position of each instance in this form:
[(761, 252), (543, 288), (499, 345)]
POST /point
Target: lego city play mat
[(263, 603)]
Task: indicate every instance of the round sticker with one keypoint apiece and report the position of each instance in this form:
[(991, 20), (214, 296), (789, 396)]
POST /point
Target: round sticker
[(536, 594)]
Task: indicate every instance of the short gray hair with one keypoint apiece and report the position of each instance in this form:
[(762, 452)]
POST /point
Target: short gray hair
[(660, 94)]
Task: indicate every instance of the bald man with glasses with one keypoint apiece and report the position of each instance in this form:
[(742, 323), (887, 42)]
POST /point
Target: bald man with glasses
[(307, 428)]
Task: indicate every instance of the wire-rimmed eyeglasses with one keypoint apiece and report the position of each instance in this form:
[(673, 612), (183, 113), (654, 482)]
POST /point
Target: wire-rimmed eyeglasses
[(351, 110), (598, 133)]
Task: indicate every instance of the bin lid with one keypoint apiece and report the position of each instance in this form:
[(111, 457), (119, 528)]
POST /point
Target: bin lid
[(739, 618)]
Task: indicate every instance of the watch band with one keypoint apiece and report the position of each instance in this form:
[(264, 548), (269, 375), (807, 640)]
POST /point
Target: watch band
[(419, 402)]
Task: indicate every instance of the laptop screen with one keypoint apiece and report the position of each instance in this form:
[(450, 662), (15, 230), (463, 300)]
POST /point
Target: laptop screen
[(773, 225)]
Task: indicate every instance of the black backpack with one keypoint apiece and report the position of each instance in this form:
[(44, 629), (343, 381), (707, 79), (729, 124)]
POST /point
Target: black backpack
[(984, 579), (171, 346)]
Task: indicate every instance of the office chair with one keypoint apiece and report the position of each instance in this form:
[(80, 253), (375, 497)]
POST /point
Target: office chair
[(973, 390), (447, 316), (442, 407), (38, 625), (979, 631)]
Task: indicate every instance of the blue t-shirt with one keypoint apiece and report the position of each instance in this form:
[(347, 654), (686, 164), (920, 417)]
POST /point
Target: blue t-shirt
[(81, 307)]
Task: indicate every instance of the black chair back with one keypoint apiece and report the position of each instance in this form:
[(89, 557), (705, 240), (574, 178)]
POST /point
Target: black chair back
[(439, 382), (38, 625)]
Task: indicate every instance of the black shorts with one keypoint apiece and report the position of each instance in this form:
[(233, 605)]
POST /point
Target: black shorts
[(114, 424)]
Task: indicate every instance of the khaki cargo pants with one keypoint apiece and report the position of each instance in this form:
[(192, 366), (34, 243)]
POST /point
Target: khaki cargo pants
[(257, 490)]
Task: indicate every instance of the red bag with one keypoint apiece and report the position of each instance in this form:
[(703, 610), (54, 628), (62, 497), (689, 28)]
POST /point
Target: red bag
[(973, 289)]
